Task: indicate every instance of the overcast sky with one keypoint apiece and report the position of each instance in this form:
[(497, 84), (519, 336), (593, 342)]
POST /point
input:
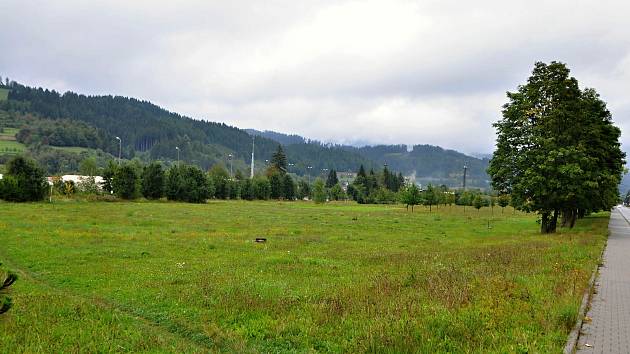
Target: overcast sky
[(358, 72)]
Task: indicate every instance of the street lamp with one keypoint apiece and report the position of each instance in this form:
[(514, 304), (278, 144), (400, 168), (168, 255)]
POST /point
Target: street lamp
[(308, 169), (119, 149), (177, 148)]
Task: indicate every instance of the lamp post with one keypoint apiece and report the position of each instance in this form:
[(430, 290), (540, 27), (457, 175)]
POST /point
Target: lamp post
[(119, 149), (177, 148), (308, 169)]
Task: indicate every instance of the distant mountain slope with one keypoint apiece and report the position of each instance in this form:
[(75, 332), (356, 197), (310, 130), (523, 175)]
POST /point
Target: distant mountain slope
[(428, 163), (284, 139), (151, 132), (431, 164)]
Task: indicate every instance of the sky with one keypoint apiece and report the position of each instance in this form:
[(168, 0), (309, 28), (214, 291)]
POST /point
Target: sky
[(352, 72)]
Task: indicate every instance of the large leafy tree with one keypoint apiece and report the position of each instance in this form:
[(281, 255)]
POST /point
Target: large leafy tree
[(557, 149), (411, 196)]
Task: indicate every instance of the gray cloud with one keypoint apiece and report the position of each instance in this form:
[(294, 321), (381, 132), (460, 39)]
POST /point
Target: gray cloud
[(343, 71)]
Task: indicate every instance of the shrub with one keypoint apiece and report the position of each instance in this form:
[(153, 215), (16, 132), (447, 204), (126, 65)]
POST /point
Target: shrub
[(153, 180), (125, 182), (24, 181), (188, 184), (337, 193), (247, 189), (262, 188), (319, 191), (87, 185)]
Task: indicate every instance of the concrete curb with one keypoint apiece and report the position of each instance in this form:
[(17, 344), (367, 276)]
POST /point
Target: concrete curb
[(574, 335)]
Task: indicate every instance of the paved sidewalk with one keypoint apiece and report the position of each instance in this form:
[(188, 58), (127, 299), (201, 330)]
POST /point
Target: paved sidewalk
[(609, 330)]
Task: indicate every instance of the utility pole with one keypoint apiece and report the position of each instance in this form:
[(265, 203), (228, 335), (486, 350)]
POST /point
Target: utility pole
[(465, 169), (119, 149), (251, 172)]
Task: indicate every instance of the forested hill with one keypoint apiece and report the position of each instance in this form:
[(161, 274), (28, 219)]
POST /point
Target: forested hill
[(46, 118), (151, 132), (428, 163)]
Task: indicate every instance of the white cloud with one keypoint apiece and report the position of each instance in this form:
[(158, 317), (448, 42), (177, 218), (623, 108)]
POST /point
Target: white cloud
[(345, 71)]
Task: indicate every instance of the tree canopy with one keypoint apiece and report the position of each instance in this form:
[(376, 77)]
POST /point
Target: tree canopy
[(558, 151)]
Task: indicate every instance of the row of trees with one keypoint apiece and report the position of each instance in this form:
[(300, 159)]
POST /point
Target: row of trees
[(411, 195), (369, 188), (558, 152)]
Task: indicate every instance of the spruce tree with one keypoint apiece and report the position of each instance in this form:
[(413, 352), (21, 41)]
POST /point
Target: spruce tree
[(279, 160), (332, 178)]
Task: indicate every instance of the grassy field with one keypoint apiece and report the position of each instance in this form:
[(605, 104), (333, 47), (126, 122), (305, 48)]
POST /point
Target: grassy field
[(8, 145), (73, 149), (100, 277)]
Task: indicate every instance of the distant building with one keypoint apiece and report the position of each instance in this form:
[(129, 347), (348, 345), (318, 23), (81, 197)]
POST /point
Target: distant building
[(76, 179)]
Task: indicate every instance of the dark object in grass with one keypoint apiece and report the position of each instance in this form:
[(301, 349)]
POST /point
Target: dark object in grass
[(5, 301), (261, 239)]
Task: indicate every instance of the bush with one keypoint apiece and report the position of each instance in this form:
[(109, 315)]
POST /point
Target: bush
[(276, 184), (262, 188), (23, 182), (87, 185), (247, 190), (153, 180), (336, 192), (319, 191), (288, 187), (125, 182), (188, 184), (303, 190)]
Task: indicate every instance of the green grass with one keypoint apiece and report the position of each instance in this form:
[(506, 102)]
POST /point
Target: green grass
[(10, 147), (4, 94), (73, 149), (8, 133), (170, 277)]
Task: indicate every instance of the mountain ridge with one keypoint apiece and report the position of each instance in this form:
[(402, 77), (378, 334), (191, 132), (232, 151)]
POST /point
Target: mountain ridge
[(150, 132)]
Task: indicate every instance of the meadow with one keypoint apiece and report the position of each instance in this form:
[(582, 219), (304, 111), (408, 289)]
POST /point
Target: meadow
[(337, 277), (8, 144)]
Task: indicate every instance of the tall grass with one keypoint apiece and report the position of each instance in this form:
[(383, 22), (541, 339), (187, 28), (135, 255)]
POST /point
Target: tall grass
[(338, 277)]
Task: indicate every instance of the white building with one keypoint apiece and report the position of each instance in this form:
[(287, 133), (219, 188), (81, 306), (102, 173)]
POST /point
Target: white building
[(76, 179)]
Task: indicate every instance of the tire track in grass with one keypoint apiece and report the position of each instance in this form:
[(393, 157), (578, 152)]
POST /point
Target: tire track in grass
[(159, 322)]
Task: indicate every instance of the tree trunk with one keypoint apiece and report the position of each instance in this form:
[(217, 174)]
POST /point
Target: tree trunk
[(574, 215), (566, 218), (544, 223), (548, 222)]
